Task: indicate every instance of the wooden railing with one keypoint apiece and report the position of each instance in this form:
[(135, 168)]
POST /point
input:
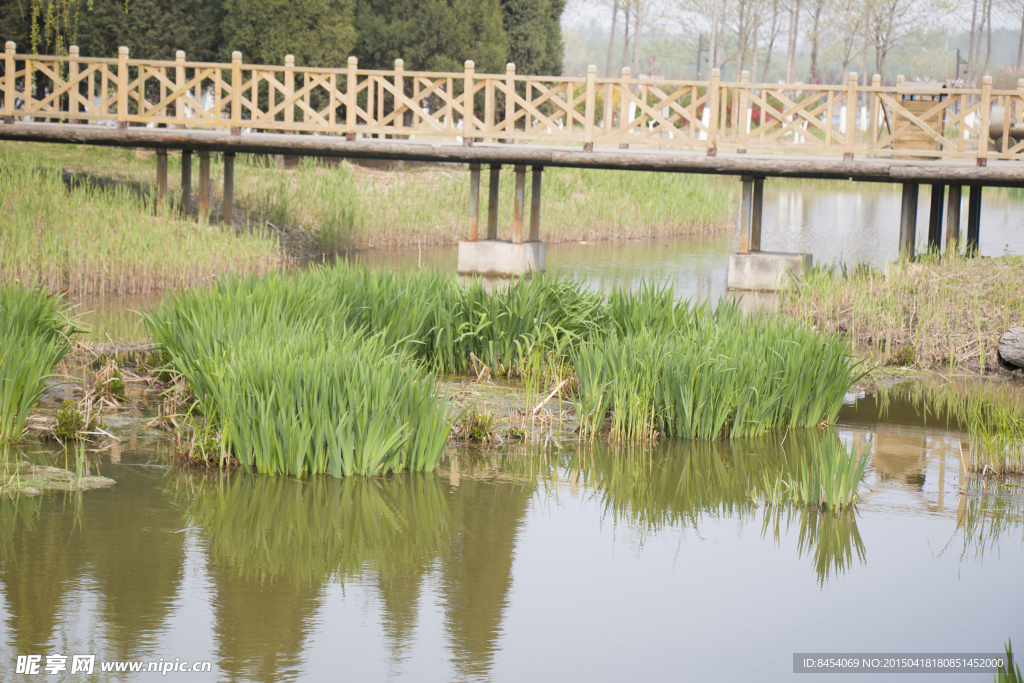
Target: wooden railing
[(711, 115)]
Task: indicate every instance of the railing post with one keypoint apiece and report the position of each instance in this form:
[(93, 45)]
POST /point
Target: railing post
[(873, 102), (851, 115), (350, 99), (716, 75), (400, 87), (179, 83), (236, 93), (122, 87), (467, 105), (9, 82), (510, 87), (741, 129), (289, 89), (624, 106), (983, 135), (72, 84), (588, 127)]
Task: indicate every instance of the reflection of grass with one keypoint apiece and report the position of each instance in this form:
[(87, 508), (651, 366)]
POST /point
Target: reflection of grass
[(991, 512), (266, 527), (991, 412), (828, 479), (831, 539)]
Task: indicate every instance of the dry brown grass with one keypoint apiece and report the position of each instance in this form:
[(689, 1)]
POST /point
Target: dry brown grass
[(933, 313)]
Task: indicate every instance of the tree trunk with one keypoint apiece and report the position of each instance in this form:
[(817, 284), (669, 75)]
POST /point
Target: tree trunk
[(1011, 346), (713, 45), (637, 31), (611, 41), (1020, 44), (970, 48), (753, 41), (741, 38), (625, 36), (771, 41), (794, 25), (721, 34), (818, 7), (988, 46)]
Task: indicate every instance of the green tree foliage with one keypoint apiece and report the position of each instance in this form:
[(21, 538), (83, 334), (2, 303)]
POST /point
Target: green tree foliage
[(317, 32), (152, 29), (534, 35), (431, 35)]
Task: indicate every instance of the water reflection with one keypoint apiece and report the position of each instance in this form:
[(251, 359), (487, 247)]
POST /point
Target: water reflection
[(831, 540)]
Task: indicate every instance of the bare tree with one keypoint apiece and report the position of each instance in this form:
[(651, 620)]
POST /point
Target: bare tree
[(1020, 44), (971, 68), (639, 11), (611, 39), (988, 46), (713, 45), (816, 11), (773, 33), (794, 25)]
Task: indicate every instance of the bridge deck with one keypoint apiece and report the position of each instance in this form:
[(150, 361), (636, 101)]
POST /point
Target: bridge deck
[(950, 171)]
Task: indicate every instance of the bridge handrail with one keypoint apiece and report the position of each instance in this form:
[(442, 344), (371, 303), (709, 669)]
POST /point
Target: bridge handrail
[(698, 115)]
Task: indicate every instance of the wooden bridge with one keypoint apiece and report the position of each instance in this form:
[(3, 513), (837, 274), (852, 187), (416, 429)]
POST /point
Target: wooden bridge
[(907, 133)]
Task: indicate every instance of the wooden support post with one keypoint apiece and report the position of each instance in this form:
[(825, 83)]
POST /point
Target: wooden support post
[(535, 204), (228, 206), (518, 205), (974, 218), (953, 220), (851, 116), (740, 128), (179, 84), (204, 183), (874, 104), (492, 203), (351, 84), (716, 75), (289, 89), (161, 179), (590, 114), (72, 78), (236, 93), (986, 107), (908, 220), (624, 107), (122, 87), (399, 107), (510, 87), (9, 48), (474, 201), (746, 206), (186, 181), (757, 204), (467, 107), (938, 199)]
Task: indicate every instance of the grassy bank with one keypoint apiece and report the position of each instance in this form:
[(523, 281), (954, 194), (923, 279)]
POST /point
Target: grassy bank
[(341, 206), (946, 314), (35, 334), (87, 239), (335, 349)]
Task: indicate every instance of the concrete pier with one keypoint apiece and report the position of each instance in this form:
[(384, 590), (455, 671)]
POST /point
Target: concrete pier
[(494, 258), (752, 269)]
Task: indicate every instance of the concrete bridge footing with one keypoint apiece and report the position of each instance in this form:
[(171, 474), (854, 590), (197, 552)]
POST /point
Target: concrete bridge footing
[(492, 257)]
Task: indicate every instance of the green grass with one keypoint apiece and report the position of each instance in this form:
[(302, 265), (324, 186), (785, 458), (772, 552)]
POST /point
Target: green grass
[(828, 479), (35, 334), (281, 364), (91, 240), (942, 314)]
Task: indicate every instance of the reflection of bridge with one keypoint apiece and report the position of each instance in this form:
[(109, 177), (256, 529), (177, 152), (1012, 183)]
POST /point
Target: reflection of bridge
[(908, 134)]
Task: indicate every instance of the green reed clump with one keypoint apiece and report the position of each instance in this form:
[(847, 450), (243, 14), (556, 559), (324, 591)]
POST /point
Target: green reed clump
[(35, 334), (827, 480), (87, 239), (695, 373)]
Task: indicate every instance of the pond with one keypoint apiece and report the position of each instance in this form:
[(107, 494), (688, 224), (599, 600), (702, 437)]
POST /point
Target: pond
[(565, 562)]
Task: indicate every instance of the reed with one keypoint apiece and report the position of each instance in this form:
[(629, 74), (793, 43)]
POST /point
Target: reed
[(35, 334), (87, 239), (694, 373), (827, 480), (937, 313)]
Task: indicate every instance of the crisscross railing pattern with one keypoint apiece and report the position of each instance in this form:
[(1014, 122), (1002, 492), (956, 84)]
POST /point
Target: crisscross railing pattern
[(850, 119)]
